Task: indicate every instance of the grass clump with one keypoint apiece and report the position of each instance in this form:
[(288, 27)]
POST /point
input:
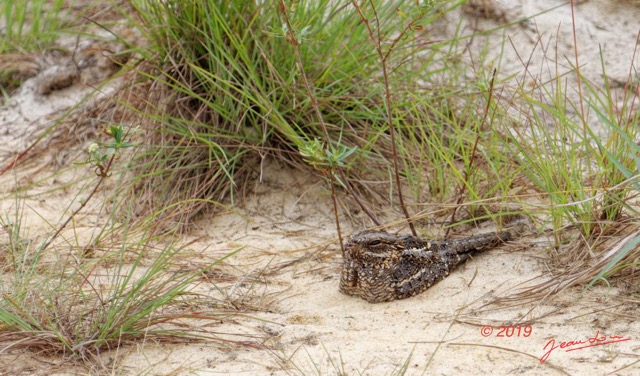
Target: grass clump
[(238, 91), (579, 152), (84, 299), (82, 309), (316, 84)]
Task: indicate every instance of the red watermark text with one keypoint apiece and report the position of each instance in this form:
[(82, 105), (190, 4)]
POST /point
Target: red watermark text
[(579, 344), (507, 331)]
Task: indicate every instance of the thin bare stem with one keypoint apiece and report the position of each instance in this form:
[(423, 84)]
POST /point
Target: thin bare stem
[(578, 75), (291, 37), (467, 172), (377, 41), (355, 196), (103, 173)]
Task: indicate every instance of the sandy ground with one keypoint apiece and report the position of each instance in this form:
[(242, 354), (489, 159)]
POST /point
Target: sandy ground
[(286, 225)]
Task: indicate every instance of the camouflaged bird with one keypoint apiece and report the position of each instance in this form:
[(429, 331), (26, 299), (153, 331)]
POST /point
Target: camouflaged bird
[(381, 267)]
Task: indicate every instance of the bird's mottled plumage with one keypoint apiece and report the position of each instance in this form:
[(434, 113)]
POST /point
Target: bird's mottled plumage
[(381, 267)]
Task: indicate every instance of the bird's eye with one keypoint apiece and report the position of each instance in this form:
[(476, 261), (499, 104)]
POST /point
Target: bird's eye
[(374, 242)]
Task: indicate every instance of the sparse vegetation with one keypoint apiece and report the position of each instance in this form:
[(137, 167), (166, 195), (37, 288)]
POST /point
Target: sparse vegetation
[(361, 95), (79, 306), (83, 301)]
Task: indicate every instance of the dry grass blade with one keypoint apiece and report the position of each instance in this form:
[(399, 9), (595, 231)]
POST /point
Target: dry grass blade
[(576, 268), (501, 348)]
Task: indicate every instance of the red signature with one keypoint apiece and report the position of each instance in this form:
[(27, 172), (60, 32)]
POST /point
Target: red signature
[(596, 340)]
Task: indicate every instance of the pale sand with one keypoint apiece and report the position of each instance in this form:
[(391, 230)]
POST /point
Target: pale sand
[(307, 326)]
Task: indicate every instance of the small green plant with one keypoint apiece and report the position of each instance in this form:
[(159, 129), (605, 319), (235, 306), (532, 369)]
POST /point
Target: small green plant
[(102, 156)]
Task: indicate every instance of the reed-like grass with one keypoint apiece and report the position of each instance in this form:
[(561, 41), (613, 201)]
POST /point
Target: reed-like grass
[(29, 25), (580, 152)]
